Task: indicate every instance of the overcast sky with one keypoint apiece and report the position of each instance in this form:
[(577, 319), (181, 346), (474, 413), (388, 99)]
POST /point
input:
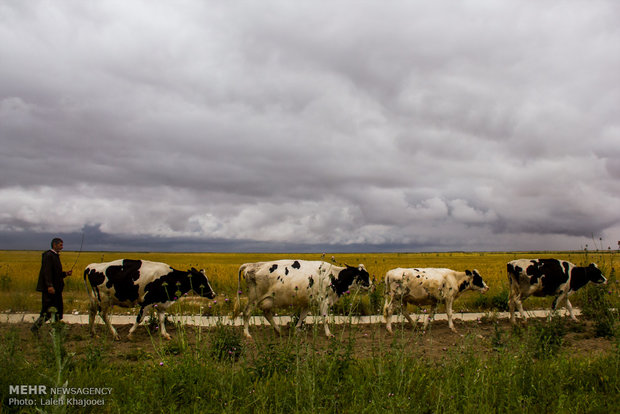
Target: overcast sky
[(310, 125)]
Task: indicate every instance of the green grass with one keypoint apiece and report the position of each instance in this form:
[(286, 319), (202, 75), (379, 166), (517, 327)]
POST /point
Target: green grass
[(295, 375)]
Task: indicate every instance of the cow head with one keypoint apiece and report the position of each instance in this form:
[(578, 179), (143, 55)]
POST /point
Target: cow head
[(476, 282), (351, 278), (200, 283), (594, 274)]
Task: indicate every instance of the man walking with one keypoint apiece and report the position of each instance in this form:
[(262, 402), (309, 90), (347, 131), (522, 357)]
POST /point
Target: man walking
[(51, 283)]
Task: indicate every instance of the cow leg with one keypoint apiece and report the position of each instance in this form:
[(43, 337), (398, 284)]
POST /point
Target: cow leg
[(570, 309), (247, 312), (139, 319), (511, 297), (558, 300), (266, 305), (403, 310), (106, 319), (388, 309), (430, 317), (449, 314), (521, 311), (92, 314), (269, 316), (162, 324), (302, 317), (516, 300), (324, 309), (511, 308)]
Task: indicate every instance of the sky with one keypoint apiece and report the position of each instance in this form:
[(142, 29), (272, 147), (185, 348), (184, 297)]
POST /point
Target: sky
[(310, 126)]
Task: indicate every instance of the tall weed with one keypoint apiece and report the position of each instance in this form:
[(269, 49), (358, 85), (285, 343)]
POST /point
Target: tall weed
[(545, 338), (226, 343), (598, 306)]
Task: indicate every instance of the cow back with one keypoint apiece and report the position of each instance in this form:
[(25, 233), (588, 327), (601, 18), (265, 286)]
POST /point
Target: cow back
[(123, 281)]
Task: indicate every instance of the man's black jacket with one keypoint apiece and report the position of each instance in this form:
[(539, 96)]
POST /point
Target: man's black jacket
[(51, 273)]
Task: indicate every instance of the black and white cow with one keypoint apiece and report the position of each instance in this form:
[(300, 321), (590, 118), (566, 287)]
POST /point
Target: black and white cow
[(429, 286), (547, 277), (296, 283), (128, 283)]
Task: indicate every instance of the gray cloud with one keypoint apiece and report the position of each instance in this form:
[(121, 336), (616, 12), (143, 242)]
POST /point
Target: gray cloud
[(338, 125)]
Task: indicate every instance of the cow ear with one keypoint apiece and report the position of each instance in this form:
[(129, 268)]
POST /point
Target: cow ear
[(193, 269), (468, 273), (593, 265)]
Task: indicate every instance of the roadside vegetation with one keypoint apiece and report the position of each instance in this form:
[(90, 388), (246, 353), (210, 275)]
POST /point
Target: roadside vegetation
[(544, 366)]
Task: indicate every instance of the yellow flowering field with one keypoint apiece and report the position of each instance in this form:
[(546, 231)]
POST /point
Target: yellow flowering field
[(19, 270)]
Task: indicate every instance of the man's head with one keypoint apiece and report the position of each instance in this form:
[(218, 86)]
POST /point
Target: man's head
[(57, 244)]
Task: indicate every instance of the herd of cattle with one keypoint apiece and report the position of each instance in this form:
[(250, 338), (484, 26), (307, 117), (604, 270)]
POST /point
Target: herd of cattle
[(300, 283)]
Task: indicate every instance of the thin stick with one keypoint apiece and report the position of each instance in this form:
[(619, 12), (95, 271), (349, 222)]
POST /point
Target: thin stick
[(79, 253)]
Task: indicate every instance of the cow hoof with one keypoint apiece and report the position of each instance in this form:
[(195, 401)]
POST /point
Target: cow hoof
[(168, 337), (117, 338)]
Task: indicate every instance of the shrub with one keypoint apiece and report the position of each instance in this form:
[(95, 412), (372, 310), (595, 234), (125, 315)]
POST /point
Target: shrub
[(500, 301), (93, 356), (498, 340), (597, 306), (272, 358), (482, 302), (546, 338), (226, 343), (340, 356), (5, 282), (376, 298)]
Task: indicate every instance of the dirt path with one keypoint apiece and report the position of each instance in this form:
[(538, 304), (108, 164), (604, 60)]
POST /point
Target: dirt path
[(197, 320), (487, 335)]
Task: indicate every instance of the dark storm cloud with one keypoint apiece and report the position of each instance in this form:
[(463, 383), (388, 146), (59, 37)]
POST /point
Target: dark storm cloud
[(476, 125)]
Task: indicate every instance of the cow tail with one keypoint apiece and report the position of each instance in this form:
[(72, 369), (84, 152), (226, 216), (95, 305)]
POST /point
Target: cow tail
[(237, 306), (89, 290), (511, 272), (513, 280)]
